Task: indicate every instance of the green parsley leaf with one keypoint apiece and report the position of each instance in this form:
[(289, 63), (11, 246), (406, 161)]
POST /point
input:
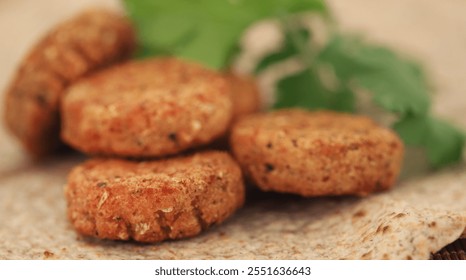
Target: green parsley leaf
[(305, 89), (288, 50), (443, 142), (397, 84), (206, 31)]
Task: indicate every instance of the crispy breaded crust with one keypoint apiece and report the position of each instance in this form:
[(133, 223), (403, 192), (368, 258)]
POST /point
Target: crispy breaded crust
[(316, 153), (154, 200), (90, 40), (147, 108)]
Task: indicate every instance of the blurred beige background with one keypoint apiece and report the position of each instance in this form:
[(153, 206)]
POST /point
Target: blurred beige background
[(431, 31)]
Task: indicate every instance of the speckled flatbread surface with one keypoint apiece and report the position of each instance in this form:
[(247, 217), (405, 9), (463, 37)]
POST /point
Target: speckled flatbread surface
[(88, 41), (317, 153), (147, 108), (151, 201)]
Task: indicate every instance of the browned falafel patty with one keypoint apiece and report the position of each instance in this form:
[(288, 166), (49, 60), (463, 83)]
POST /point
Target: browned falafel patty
[(146, 108), (316, 153), (153, 200), (88, 41)]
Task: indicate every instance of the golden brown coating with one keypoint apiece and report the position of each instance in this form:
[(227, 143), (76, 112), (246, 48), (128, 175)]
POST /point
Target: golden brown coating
[(245, 95), (146, 108), (316, 153), (90, 40), (154, 200)]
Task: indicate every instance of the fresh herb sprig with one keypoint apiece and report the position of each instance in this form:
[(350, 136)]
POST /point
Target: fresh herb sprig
[(204, 30), (331, 74)]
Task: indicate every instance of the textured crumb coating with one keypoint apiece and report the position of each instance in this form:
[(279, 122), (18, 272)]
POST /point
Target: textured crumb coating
[(317, 153), (151, 201), (148, 108), (91, 40)]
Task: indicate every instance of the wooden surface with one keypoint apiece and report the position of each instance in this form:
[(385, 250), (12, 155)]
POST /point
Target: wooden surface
[(32, 207), (453, 251)]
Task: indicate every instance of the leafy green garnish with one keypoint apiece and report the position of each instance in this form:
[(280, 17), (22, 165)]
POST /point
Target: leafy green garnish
[(398, 85), (442, 142), (330, 75), (289, 49), (204, 30), (305, 89)]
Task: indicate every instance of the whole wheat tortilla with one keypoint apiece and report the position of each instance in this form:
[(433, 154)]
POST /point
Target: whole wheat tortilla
[(395, 225)]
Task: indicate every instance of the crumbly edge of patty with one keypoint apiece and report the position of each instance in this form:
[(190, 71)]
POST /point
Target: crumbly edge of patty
[(153, 201), (286, 155), (123, 111), (57, 60)]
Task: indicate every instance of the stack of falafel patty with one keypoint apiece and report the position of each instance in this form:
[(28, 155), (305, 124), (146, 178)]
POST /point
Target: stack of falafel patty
[(152, 125)]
